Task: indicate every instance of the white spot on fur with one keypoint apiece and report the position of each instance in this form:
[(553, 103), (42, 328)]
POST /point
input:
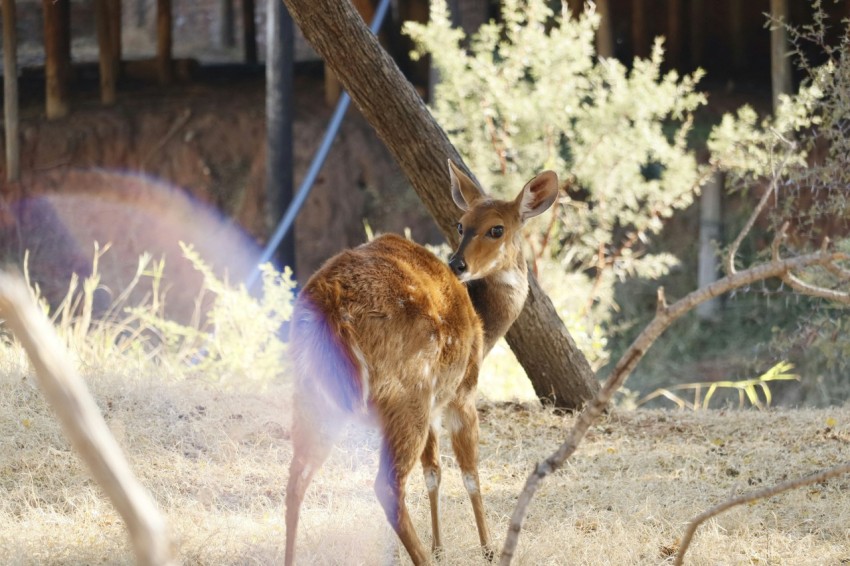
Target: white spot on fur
[(510, 278), (306, 471), (411, 288), (453, 423), (449, 340), (470, 483)]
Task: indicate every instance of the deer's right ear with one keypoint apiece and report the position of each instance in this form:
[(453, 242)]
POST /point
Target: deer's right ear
[(464, 191)]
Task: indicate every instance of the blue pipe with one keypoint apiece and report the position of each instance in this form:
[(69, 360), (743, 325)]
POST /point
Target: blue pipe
[(285, 224)]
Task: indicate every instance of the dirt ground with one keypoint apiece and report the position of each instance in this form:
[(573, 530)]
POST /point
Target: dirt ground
[(216, 462)]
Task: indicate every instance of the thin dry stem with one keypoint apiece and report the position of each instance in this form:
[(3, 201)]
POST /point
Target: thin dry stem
[(83, 424), (733, 248), (751, 497)]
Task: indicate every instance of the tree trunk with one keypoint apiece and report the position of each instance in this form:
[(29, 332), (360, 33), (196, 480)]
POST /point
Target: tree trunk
[(558, 370)]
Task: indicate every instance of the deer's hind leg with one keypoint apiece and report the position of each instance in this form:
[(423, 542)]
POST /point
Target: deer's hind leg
[(463, 423), (315, 430), (405, 434), (431, 470)]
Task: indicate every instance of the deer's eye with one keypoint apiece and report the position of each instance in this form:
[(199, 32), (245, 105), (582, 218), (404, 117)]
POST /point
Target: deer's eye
[(460, 228), (496, 232)]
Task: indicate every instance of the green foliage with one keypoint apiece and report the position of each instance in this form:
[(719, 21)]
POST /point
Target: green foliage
[(238, 338), (529, 93)]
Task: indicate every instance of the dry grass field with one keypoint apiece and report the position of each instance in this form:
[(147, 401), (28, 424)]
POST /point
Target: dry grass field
[(216, 461)]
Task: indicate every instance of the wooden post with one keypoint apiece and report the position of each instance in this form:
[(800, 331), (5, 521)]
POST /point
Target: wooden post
[(225, 28), (739, 39), (115, 28), (164, 41), (780, 65), (106, 51), (605, 33), (639, 44), (576, 7), (10, 91), (280, 47), (249, 27), (697, 25), (332, 88), (709, 241), (674, 33), (57, 57)]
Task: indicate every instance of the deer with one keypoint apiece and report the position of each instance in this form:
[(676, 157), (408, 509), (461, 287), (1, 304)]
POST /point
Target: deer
[(389, 334)]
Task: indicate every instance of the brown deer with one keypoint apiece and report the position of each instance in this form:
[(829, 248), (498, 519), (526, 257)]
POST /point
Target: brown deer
[(389, 333)]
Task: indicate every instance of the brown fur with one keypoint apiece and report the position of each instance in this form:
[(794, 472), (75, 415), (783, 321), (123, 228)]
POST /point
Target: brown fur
[(387, 332)]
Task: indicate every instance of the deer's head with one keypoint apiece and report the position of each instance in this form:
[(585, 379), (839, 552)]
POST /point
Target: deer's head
[(491, 229)]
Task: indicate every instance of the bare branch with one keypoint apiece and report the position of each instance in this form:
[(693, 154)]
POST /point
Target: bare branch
[(733, 248), (801, 286), (663, 319), (815, 291), (83, 424), (754, 496)]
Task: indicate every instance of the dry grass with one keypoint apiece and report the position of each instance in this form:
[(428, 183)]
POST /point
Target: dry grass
[(216, 461)]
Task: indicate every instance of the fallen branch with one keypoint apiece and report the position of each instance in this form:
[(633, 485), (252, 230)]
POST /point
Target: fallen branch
[(665, 315), (83, 424), (754, 496)]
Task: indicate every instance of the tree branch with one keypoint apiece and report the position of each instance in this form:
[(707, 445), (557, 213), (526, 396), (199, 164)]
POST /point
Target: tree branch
[(664, 317), (754, 496)]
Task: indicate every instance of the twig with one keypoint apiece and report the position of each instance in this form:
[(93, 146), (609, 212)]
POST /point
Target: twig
[(801, 286), (178, 123), (733, 248), (754, 496), (664, 317)]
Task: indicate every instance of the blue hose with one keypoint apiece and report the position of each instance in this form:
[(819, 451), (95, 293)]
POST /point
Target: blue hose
[(285, 224)]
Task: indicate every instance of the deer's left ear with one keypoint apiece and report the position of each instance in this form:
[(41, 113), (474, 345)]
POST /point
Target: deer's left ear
[(537, 195), (464, 191)]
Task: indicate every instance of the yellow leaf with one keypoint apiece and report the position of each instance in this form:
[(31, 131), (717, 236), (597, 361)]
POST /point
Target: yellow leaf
[(26, 422), (831, 422)]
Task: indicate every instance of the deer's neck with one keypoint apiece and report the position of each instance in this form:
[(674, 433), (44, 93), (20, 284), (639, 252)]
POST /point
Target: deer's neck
[(498, 300)]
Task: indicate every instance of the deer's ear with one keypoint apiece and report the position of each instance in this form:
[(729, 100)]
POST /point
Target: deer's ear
[(537, 195), (464, 191)]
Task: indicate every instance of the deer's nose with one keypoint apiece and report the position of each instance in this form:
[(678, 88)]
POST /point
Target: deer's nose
[(457, 264)]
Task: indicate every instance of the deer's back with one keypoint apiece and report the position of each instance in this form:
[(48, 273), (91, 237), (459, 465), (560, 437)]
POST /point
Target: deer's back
[(386, 325)]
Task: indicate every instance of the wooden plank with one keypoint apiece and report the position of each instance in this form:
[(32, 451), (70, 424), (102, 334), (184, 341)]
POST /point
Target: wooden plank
[(249, 31), (697, 37), (780, 64), (739, 38), (57, 57), (10, 91), (164, 41), (106, 51)]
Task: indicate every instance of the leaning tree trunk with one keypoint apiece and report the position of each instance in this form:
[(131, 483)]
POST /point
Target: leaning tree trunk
[(558, 370)]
